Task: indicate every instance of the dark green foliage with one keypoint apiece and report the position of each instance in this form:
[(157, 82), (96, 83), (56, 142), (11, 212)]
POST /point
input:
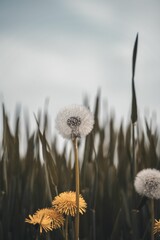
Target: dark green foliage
[(27, 184)]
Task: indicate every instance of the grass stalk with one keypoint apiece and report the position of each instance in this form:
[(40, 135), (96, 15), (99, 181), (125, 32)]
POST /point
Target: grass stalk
[(133, 151), (66, 228), (77, 188), (134, 106), (152, 219)]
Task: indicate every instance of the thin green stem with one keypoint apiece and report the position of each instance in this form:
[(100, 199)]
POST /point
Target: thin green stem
[(77, 188), (152, 219)]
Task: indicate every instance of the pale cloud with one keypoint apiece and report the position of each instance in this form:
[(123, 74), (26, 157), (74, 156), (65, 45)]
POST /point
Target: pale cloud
[(97, 13)]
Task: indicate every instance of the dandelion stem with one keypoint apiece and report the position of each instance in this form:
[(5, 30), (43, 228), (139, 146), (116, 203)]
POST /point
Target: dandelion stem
[(37, 234), (77, 188), (66, 228), (152, 219)]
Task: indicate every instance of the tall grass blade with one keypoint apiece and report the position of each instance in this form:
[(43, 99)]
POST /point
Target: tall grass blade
[(134, 101)]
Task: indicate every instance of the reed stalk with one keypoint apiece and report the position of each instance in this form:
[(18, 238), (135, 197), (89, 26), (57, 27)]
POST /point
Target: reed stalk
[(133, 151)]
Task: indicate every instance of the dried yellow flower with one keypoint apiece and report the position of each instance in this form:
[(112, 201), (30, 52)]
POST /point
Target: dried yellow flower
[(47, 218), (57, 218), (66, 203), (156, 228), (44, 221)]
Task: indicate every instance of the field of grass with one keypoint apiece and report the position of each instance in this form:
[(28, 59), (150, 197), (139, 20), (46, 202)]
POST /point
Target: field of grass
[(110, 159)]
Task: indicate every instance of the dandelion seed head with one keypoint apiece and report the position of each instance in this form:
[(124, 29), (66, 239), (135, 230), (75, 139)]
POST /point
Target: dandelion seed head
[(74, 121), (66, 203), (147, 183)]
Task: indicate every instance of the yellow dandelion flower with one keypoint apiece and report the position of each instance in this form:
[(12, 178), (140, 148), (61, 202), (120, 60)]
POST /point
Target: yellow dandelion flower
[(66, 203), (57, 218), (156, 228), (47, 218), (44, 221)]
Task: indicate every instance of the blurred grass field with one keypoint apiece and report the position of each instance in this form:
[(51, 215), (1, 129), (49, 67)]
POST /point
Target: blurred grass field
[(110, 158), (114, 210)]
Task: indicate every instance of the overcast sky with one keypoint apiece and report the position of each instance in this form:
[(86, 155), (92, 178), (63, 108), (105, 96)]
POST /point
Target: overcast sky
[(62, 50)]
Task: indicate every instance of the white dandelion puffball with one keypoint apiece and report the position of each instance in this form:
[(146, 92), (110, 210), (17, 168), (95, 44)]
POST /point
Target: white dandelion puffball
[(74, 121), (147, 183)]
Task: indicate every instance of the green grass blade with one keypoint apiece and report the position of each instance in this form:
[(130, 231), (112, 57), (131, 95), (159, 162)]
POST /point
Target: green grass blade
[(134, 101)]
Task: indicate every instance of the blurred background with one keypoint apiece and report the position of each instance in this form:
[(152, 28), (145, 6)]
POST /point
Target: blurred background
[(56, 53), (64, 50)]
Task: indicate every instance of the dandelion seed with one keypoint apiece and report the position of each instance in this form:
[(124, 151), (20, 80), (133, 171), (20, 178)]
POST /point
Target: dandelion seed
[(47, 218), (147, 183), (66, 203), (74, 121)]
